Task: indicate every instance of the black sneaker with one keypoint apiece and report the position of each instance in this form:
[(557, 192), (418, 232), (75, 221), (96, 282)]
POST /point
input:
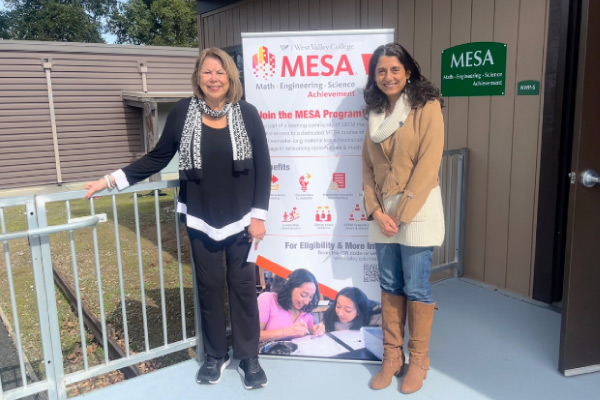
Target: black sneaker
[(212, 369), (252, 374)]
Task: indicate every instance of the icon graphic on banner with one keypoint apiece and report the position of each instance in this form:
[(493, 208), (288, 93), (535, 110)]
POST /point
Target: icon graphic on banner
[(284, 46), (323, 214), (304, 181), (291, 216), (274, 183), (338, 181), (263, 63), (357, 214)]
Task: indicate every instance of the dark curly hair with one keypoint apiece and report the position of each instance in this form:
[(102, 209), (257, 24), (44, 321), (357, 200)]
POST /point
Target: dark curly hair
[(419, 91), (361, 302), (296, 279)]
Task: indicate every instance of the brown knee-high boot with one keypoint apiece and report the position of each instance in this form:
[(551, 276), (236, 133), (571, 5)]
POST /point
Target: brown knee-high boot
[(393, 311), (420, 318)]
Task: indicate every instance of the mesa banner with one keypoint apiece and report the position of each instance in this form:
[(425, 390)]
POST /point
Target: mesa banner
[(308, 88)]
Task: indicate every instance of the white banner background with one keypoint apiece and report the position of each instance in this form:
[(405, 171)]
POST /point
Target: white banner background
[(308, 87)]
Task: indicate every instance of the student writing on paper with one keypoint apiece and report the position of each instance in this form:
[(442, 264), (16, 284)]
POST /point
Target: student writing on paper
[(287, 312)]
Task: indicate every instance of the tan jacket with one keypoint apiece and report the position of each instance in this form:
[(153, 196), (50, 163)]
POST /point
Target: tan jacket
[(412, 169)]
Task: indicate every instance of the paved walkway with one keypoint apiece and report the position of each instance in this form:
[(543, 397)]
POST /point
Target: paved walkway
[(486, 345)]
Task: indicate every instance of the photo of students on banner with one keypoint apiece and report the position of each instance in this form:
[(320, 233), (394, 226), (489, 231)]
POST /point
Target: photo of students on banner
[(295, 322)]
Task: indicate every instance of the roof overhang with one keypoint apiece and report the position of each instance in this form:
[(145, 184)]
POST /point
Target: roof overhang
[(138, 99)]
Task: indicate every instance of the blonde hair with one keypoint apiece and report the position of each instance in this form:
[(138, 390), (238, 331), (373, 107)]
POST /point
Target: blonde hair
[(235, 92)]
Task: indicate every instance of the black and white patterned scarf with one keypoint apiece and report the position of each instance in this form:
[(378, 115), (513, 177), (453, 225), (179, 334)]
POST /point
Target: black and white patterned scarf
[(190, 156)]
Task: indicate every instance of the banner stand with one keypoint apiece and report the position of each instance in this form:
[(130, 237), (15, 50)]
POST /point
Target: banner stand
[(308, 89)]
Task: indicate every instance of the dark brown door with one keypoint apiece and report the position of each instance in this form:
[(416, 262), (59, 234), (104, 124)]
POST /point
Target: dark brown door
[(580, 330)]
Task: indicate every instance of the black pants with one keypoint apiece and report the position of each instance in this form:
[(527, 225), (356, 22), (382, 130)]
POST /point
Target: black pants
[(241, 285)]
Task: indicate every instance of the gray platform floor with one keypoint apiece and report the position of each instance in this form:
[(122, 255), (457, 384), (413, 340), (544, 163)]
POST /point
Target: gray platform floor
[(485, 344)]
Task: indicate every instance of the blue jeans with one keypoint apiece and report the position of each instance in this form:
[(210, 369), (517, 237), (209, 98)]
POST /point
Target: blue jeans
[(405, 270)]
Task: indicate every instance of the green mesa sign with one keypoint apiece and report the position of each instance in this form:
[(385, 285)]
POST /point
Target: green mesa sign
[(474, 69)]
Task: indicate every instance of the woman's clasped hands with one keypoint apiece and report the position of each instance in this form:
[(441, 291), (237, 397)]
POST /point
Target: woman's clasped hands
[(387, 224)]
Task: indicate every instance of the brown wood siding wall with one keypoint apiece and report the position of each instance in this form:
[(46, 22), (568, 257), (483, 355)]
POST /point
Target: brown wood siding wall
[(96, 131), (502, 133), (26, 153)]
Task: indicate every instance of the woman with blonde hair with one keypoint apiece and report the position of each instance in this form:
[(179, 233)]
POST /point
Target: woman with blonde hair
[(225, 184)]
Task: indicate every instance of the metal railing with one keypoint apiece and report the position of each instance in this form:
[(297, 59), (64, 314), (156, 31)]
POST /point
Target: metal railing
[(98, 259), (41, 238), (453, 183)]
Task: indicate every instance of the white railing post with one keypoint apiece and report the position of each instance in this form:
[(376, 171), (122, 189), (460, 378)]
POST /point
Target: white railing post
[(46, 301)]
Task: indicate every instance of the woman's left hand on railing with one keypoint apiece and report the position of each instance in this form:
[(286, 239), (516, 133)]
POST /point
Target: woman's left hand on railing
[(94, 187)]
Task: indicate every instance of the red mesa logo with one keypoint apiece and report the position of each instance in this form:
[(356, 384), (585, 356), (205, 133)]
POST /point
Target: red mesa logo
[(263, 63)]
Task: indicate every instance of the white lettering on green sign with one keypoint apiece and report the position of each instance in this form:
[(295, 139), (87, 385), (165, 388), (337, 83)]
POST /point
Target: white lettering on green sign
[(472, 59), (528, 88), (474, 69)]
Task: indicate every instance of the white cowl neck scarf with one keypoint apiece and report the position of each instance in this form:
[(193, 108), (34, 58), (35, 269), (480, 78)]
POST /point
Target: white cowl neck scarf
[(382, 127)]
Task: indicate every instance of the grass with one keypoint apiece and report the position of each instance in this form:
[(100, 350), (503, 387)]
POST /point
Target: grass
[(60, 244)]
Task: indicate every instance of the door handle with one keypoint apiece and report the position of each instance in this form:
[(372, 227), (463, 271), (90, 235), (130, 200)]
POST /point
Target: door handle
[(589, 178)]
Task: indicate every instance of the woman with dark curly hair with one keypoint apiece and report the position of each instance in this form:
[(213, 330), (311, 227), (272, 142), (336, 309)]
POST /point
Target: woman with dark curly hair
[(350, 311), (286, 313), (402, 153)]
